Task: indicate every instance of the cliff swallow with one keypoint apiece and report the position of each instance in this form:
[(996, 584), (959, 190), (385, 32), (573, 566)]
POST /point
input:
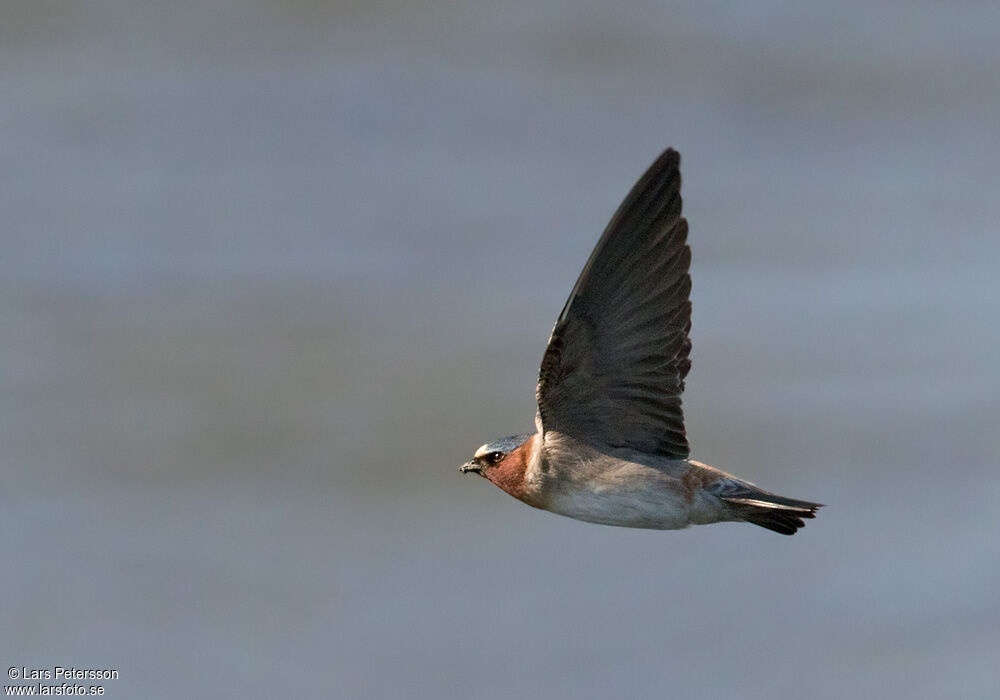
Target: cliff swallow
[(610, 445)]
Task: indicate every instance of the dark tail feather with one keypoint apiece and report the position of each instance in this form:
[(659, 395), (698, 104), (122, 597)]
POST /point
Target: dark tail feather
[(777, 513)]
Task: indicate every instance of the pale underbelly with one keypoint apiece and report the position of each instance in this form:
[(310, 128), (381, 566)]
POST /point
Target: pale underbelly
[(651, 508)]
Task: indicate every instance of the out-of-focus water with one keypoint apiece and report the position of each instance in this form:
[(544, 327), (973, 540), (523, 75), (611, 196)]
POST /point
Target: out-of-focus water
[(269, 273)]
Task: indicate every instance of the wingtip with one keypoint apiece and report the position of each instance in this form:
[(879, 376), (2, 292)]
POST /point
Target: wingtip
[(669, 157)]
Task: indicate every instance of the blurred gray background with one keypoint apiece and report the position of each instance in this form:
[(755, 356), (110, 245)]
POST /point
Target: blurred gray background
[(269, 272)]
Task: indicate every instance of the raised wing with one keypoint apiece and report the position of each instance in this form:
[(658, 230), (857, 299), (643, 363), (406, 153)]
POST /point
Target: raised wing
[(614, 369)]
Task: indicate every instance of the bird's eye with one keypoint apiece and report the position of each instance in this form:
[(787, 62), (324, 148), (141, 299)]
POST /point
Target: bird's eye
[(494, 457)]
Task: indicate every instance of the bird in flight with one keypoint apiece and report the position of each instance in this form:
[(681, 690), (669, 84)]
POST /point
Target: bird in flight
[(610, 445)]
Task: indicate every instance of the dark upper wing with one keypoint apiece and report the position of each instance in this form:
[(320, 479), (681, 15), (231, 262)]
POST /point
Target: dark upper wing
[(614, 369)]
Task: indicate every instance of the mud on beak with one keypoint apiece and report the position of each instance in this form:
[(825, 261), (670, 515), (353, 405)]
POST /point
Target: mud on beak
[(472, 466)]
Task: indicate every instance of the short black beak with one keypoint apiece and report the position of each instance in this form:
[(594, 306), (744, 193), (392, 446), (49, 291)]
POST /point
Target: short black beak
[(471, 467)]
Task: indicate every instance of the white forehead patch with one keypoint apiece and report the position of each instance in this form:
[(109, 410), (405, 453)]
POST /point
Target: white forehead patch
[(481, 451)]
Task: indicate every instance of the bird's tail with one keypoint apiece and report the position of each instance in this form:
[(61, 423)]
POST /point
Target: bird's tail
[(777, 513)]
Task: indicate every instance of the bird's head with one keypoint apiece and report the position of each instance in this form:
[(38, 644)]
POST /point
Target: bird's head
[(491, 455)]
